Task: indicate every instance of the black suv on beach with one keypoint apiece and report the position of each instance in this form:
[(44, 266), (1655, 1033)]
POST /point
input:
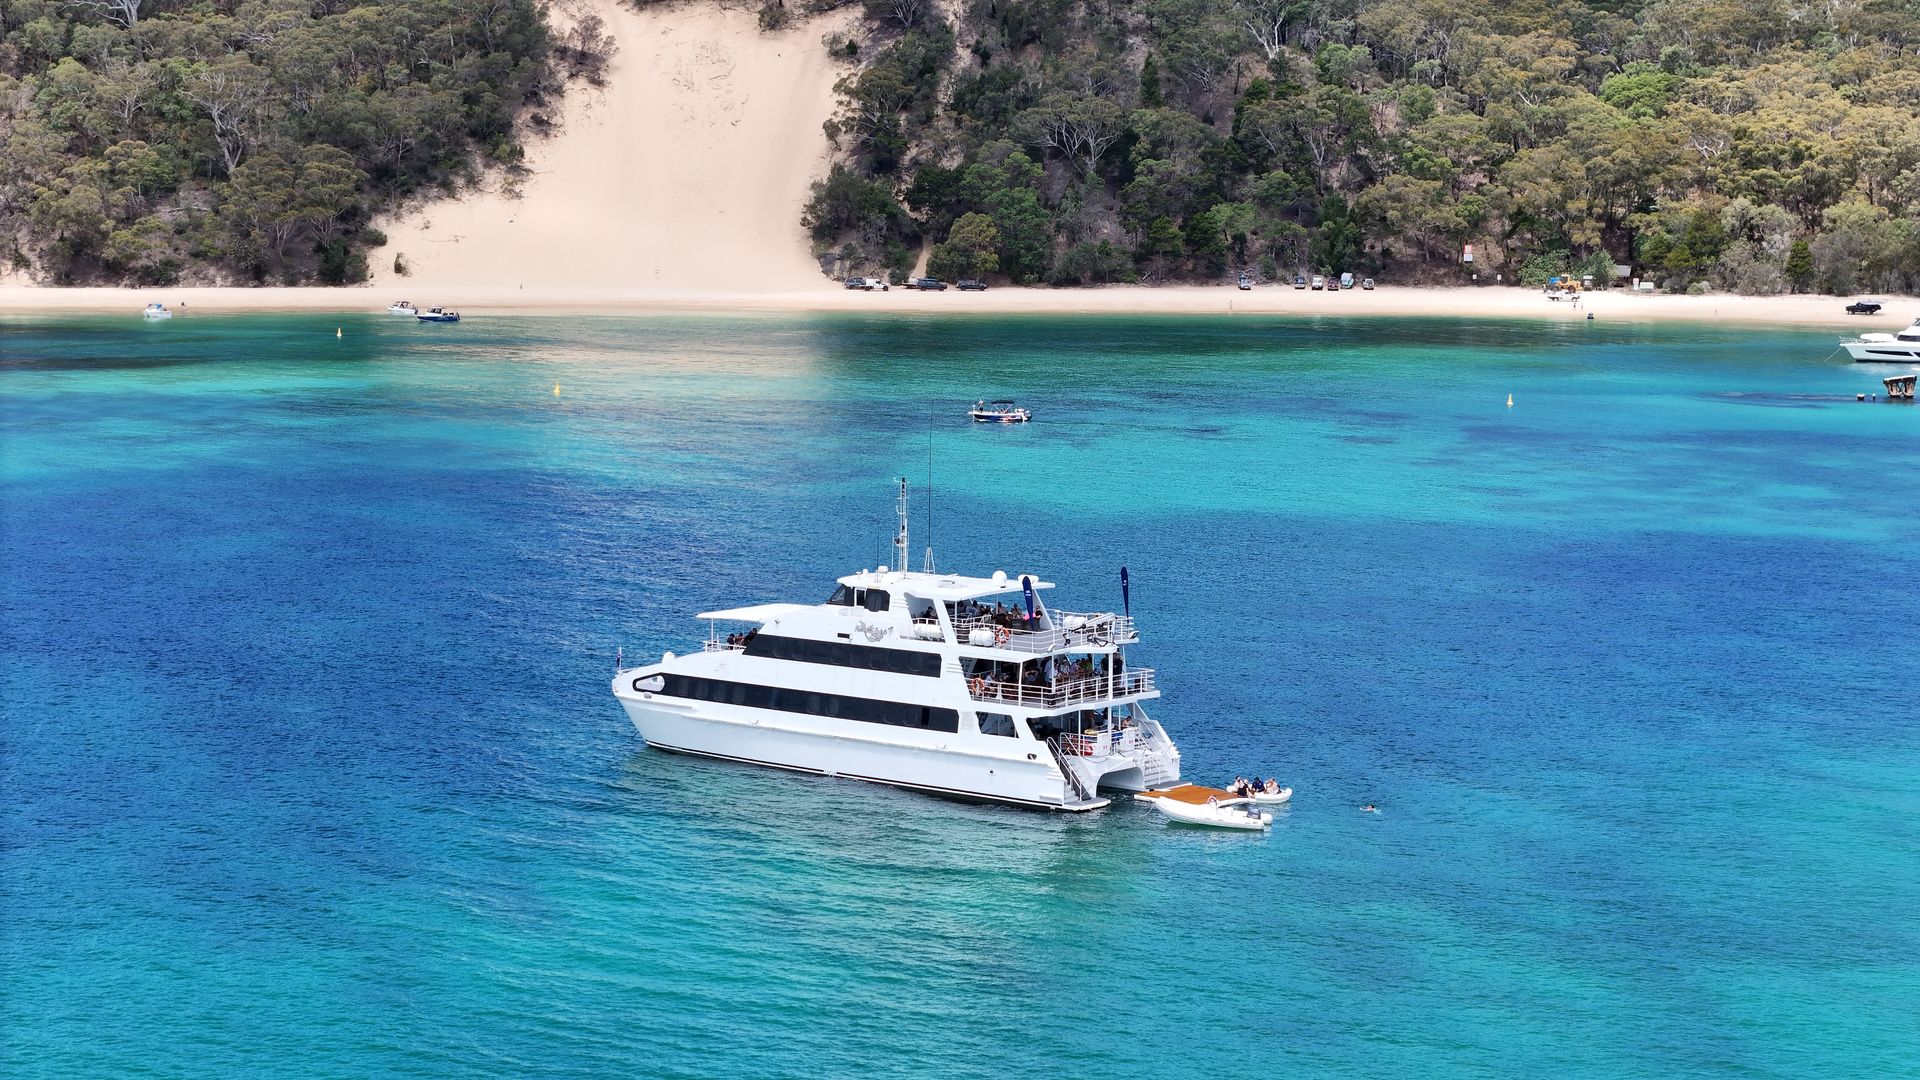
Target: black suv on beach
[(970, 285), (929, 284), (1864, 307)]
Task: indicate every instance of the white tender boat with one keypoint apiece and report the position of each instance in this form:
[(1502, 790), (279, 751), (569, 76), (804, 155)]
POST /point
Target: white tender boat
[(1886, 348), (1003, 411), (403, 307), (1273, 797), (1214, 814), (970, 687), (157, 311)]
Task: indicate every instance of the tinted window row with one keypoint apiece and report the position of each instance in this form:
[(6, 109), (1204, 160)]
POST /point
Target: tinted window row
[(871, 599), (845, 654), (865, 710)]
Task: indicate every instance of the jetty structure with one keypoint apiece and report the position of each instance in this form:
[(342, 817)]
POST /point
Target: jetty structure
[(970, 687)]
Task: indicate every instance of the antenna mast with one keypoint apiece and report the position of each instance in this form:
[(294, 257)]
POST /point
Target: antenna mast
[(900, 547)]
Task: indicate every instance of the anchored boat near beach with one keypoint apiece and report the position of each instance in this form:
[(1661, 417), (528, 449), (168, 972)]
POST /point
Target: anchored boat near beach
[(962, 686), (1886, 348)]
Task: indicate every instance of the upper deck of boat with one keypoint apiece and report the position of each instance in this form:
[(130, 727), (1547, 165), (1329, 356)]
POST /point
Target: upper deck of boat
[(942, 587)]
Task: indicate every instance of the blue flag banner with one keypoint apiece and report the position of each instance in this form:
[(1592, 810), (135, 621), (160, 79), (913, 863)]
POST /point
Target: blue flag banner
[(1026, 587), (1126, 603)]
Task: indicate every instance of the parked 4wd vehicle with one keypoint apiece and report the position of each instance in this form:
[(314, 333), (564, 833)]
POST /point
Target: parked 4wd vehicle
[(1864, 307), (970, 285), (1319, 283), (855, 283), (1299, 281), (929, 284)]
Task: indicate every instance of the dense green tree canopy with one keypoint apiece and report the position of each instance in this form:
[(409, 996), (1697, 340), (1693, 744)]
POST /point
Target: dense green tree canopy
[(1755, 146), (235, 139)]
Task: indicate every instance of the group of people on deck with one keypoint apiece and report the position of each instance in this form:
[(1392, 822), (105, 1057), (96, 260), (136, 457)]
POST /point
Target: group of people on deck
[(1247, 789), (1012, 618)]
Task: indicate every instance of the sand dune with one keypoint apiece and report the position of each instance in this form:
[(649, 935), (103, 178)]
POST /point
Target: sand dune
[(688, 171)]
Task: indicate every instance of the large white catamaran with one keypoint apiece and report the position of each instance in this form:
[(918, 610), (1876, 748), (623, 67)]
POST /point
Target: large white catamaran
[(963, 686)]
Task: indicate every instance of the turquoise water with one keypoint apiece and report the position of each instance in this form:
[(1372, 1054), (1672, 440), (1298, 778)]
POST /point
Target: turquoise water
[(310, 765)]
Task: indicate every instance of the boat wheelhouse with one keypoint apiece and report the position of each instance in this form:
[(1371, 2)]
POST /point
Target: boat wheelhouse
[(1002, 411), (970, 687), (1886, 348)]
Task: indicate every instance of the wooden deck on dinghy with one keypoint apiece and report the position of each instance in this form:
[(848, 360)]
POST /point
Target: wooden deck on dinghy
[(1196, 794)]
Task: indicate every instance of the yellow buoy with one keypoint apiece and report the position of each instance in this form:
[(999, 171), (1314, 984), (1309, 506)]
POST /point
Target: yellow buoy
[(556, 389), (1509, 401)]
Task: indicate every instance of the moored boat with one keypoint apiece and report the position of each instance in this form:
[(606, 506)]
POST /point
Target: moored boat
[(402, 307), (157, 310), (969, 687), (1886, 348), (1001, 411), (437, 315)]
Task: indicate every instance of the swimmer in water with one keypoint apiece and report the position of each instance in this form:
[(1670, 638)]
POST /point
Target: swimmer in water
[(1369, 809)]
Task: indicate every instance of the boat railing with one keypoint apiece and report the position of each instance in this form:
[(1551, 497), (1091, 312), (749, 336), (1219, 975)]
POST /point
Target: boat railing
[(1061, 693), (1069, 630), (928, 629), (717, 645), (1074, 783), (1101, 744)]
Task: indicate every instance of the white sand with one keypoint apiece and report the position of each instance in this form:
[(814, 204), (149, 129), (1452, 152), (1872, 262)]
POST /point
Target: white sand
[(1131, 300), (688, 171), (679, 187)]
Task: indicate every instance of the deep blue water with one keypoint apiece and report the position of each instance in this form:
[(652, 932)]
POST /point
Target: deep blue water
[(310, 768)]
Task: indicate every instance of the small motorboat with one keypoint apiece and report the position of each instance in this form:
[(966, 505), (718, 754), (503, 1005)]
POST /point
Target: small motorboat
[(402, 308), (1273, 797), (437, 315), (157, 310), (1003, 411), (1214, 814)]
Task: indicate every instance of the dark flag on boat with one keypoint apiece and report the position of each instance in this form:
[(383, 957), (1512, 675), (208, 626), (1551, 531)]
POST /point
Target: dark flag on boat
[(1026, 587), (1126, 604)]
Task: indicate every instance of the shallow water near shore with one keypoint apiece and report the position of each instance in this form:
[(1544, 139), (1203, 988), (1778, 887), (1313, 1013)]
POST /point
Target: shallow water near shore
[(311, 765)]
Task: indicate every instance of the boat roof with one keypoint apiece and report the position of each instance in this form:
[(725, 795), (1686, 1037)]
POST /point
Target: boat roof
[(755, 613), (939, 586)]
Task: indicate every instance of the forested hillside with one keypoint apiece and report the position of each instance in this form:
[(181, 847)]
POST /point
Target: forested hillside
[(248, 140), (1758, 146)]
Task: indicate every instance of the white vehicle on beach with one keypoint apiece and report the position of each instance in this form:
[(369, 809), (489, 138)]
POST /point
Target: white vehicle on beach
[(968, 687)]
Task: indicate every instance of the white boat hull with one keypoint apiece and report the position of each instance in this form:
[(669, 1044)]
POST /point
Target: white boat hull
[(925, 761), (1883, 352)]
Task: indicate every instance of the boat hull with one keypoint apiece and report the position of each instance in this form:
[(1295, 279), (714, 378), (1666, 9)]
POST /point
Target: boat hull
[(828, 747), (1883, 352)]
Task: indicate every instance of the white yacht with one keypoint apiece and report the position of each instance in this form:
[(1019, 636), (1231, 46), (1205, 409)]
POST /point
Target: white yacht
[(402, 307), (1886, 348), (968, 687), (156, 310)]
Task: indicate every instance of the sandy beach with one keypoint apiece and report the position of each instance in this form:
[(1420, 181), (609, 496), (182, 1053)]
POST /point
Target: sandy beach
[(678, 188), (1387, 301)]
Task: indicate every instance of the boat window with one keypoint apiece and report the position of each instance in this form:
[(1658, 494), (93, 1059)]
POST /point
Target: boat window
[(866, 710), (842, 597), (993, 723), (876, 600), (845, 654)]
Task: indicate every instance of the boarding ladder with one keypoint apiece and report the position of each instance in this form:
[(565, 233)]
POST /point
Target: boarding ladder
[(1074, 783)]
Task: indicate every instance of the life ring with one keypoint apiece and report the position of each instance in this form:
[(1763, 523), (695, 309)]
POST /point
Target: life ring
[(978, 686), (1002, 636)]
